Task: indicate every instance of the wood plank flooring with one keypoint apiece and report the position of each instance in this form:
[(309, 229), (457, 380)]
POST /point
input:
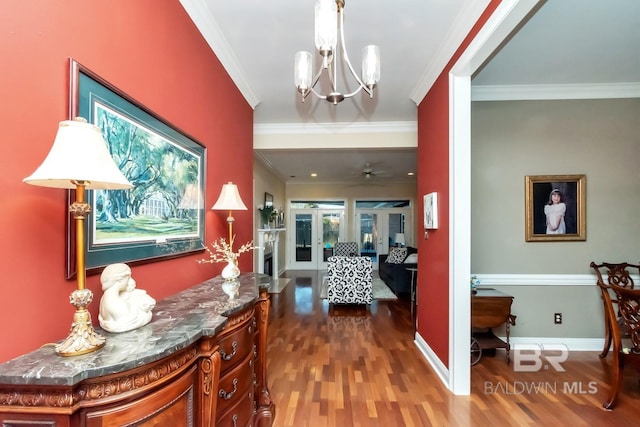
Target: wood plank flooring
[(349, 366)]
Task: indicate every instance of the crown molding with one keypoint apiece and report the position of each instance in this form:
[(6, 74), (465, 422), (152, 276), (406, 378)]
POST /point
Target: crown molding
[(210, 30), (334, 128), (462, 25), (555, 91)]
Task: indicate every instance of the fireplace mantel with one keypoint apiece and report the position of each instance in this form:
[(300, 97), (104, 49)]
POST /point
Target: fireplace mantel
[(269, 237)]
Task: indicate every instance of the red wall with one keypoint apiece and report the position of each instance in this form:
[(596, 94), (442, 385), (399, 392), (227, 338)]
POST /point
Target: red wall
[(433, 158), (150, 50)]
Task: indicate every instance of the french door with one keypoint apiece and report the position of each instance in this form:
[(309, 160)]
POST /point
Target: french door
[(315, 233), (377, 230)]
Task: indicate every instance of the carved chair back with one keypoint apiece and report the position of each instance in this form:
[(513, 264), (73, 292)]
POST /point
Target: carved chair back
[(622, 317), (618, 274)]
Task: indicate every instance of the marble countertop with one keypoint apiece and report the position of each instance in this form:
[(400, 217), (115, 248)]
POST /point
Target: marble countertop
[(177, 322)]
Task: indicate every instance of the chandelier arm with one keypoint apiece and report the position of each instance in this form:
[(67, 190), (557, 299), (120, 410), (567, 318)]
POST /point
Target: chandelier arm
[(318, 94), (355, 92), (330, 63), (346, 58), (316, 78)]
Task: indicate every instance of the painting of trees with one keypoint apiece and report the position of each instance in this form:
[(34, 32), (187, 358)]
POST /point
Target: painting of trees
[(161, 171)]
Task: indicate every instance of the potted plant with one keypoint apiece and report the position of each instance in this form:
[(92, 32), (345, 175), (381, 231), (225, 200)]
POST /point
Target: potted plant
[(267, 214)]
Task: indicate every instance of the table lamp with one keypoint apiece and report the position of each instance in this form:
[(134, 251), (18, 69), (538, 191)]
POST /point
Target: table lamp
[(229, 200), (79, 159), (400, 239)]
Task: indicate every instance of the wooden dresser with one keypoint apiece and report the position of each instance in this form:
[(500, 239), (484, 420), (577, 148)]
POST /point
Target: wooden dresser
[(200, 362)]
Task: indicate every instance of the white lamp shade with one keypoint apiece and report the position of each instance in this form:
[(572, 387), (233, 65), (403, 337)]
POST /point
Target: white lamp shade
[(400, 239), (79, 153), (229, 199), (326, 25), (302, 70), (371, 65)]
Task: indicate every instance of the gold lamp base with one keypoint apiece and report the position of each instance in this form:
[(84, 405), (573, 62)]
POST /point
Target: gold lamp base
[(82, 338)]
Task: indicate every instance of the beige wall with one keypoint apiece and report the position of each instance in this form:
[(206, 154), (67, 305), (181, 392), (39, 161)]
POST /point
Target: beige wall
[(266, 182), (336, 136), (330, 136), (511, 139)]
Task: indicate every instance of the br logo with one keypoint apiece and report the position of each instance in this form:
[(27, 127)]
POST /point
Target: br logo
[(530, 357)]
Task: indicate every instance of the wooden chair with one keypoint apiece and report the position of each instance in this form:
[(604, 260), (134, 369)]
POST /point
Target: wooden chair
[(622, 314), (617, 274)]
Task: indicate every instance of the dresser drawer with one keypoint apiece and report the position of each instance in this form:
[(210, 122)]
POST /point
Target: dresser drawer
[(237, 344), (239, 415), (236, 384)]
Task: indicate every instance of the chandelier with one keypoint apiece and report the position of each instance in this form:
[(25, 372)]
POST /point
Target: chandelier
[(326, 37)]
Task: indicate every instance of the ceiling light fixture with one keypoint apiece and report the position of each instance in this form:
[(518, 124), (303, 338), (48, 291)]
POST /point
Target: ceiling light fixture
[(326, 37)]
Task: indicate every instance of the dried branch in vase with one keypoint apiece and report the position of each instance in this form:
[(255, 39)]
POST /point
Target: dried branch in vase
[(222, 251)]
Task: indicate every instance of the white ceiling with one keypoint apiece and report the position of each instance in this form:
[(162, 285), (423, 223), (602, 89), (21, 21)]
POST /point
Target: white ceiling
[(586, 44)]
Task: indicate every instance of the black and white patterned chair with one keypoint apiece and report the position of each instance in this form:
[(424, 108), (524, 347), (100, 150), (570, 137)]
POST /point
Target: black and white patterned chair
[(349, 280), (345, 249)]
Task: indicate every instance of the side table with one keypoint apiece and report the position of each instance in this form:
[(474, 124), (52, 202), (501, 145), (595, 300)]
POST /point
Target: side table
[(414, 286)]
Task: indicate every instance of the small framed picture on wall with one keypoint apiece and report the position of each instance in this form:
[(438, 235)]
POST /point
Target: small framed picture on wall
[(431, 211)]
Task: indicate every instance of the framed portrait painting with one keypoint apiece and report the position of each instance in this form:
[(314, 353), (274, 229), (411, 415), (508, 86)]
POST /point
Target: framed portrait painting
[(162, 216), (555, 208)]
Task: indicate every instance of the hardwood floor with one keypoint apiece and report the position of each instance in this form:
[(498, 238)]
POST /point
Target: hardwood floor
[(350, 366)]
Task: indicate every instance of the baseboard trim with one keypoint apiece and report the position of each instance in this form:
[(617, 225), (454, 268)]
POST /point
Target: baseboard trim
[(432, 359), (573, 344)]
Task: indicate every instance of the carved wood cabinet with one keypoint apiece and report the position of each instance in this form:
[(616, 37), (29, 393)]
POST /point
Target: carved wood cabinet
[(200, 362)]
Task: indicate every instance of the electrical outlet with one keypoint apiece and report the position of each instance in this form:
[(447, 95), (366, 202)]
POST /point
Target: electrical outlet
[(557, 318)]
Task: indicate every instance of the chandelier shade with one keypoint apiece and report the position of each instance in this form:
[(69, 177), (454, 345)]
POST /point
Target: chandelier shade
[(329, 26), (303, 70), (326, 27)]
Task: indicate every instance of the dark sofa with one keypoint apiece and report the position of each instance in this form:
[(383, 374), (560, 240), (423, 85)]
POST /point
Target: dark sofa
[(396, 276)]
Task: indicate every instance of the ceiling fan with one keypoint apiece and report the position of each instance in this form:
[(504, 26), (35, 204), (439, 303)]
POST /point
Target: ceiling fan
[(369, 173)]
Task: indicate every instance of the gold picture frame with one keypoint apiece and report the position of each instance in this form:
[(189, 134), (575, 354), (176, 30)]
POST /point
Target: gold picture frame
[(555, 208)]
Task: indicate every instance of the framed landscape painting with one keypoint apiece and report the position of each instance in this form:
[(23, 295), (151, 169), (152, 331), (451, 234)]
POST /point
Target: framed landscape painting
[(163, 214), (555, 208)]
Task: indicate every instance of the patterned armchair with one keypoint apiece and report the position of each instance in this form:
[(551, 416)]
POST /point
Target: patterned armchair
[(345, 249), (349, 280)]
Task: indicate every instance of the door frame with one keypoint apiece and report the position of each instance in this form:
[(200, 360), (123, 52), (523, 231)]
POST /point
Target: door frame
[(317, 249), (382, 245)]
